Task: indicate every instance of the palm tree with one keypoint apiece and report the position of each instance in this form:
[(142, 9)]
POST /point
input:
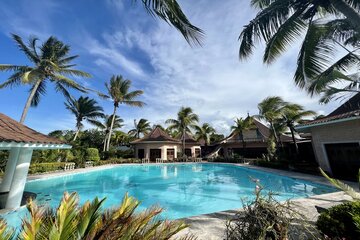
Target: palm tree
[(121, 138), (105, 126), (170, 12), (242, 125), (186, 119), (51, 63), (84, 108), (293, 116), (204, 132), (118, 92), (88, 221), (272, 109), (325, 26), (141, 127)]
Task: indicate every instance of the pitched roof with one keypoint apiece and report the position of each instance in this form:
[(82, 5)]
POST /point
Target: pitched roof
[(348, 110), (13, 131), (156, 135)]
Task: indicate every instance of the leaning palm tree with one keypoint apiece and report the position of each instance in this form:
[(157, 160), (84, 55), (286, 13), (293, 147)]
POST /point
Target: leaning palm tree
[(170, 11), (324, 26), (293, 116), (242, 125), (186, 119), (271, 109), (51, 63), (118, 90), (84, 108), (141, 127), (88, 221), (106, 123)]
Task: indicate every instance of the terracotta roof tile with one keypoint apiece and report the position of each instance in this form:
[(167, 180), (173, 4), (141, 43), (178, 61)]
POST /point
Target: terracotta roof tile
[(156, 135), (331, 118), (13, 131)]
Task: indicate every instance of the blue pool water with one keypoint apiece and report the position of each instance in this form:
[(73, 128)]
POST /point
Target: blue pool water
[(183, 190)]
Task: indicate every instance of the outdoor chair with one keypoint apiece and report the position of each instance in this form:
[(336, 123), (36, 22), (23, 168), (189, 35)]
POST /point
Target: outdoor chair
[(89, 164), (69, 166)]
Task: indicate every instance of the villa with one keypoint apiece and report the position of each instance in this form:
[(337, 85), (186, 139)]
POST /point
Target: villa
[(256, 142), (158, 144), (336, 139)]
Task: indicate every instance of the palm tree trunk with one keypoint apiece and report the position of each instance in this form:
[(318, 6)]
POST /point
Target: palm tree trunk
[(351, 15), (110, 130), (293, 137), (29, 100), (274, 132), (76, 134), (105, 141), (184, 143)]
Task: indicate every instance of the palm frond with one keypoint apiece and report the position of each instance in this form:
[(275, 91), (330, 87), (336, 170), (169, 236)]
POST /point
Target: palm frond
[(342, 186), (32, 56), (170, 11), (40, 91)]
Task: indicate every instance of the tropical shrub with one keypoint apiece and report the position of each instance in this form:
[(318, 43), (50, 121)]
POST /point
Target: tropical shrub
[(46, 167), (267, 219), (338, 222), (92, 154), (89, 221), (279, 164)]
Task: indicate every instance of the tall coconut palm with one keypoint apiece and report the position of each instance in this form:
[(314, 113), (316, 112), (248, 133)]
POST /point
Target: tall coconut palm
[(170, 11), (118, 90), (272, 109), (141, 127), (324, 26), (106, 123), (203, 133), (51, 63), (84, 108), (186, 119), (242, 125), (293, 116)]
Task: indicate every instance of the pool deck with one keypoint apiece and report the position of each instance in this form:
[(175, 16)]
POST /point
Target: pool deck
[(212, 226)]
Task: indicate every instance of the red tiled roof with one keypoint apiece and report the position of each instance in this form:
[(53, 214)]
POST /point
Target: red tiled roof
[(156, 135), (331, 118), (13, 131)]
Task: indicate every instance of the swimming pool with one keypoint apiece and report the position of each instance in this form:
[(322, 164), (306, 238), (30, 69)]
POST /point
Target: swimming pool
[(183, 190)]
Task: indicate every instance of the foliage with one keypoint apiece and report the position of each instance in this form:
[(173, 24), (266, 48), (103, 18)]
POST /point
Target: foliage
[(338, 222), (119, 161), (90, 221), (4, 155), (170, 11), (51, 63), (281, 164), (92, 154), (141, 127), (266, 218), (46, 167), (203, 132), (40, 156), (118, 90), (84, 108), (216, 138), (330, 32), (342, 186)]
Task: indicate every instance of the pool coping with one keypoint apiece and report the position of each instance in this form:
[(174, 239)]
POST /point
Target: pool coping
[(212, 226)]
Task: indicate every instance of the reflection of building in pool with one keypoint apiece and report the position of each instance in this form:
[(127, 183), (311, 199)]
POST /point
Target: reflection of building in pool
[(256, 142), (158, 144), (336, 139), (20, 141)]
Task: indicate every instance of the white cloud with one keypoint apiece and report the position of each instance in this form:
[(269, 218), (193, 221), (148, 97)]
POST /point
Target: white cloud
[(211, 79)]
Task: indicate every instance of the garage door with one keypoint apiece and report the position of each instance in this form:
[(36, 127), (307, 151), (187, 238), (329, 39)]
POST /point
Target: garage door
[(344, 159)]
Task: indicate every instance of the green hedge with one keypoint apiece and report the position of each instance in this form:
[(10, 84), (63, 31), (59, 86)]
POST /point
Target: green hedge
[(278, 164), (92, 154), (46, 167), (118, 161), (338, 221)]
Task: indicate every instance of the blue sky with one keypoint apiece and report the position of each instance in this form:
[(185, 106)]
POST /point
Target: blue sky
[(118, 37)]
